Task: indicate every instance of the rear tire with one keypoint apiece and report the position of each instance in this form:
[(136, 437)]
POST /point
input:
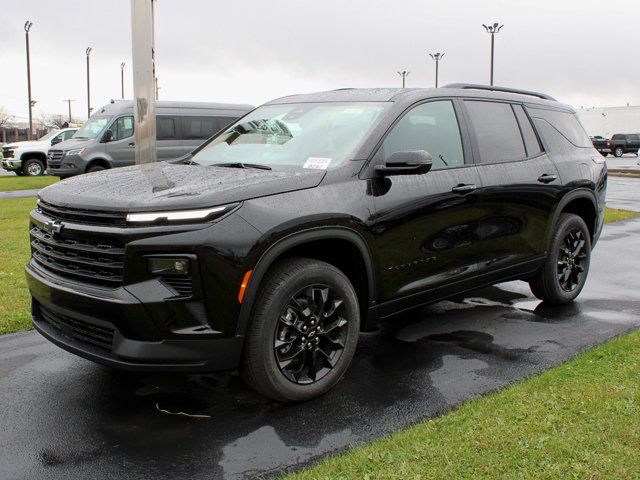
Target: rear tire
[(565, 270), (303, 333), (33, 167), (618, 152)]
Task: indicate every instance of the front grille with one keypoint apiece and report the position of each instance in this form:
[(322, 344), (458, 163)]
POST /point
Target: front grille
[(79, 330), (89, 260), (85, 217), (7, 153), (55, 155), (183, 286)]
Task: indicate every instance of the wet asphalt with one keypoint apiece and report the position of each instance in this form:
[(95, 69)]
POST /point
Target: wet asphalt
[(63, 417)]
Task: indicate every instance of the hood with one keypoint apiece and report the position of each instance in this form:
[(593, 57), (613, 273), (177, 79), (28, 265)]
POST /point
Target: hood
[(72, 143), (28, 143), (166, 186)]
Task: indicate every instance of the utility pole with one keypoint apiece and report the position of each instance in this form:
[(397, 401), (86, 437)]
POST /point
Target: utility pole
[(122, 79), (88, 51), (27, 27), (404, 74), (69, 100), (492, 30), (144, 80), (437, 57)]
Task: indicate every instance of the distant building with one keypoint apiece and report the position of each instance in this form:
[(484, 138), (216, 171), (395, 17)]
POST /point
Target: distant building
[(606, 121)]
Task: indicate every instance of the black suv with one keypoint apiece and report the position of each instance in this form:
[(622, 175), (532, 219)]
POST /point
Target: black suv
[(309, 220)]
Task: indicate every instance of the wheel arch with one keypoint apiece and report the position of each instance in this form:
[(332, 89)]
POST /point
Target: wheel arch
[(102, 162), (580, 202), (342, 247), (39, 155)]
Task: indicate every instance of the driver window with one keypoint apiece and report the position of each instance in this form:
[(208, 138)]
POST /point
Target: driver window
[(122, 128), (433, 127)]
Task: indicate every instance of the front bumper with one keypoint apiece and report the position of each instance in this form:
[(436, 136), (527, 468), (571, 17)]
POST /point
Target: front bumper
[(11, 165), (62, 170), (67, 317)]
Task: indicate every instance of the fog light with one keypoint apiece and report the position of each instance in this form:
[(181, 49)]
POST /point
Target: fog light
[(168, 266)]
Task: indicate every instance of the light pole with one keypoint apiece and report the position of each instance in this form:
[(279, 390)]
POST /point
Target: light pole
[(404, 74), (492, 30), (27, 27), (88, 51), (437, 57), (122, 79), (69, 100)]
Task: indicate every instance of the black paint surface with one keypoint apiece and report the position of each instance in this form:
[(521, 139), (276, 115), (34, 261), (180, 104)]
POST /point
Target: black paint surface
[(64, 417)]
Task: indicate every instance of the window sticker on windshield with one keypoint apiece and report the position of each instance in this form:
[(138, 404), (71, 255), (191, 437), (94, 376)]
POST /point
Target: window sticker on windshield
[(317, 163)]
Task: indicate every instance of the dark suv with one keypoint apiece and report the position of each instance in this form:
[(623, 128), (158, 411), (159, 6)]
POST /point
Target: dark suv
[(309, 220)]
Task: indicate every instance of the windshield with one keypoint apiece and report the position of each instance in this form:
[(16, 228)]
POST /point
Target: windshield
[(92, 128), (49, 136), (304, 135)]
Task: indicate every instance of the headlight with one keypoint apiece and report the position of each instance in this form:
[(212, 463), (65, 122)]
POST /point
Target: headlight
[(180, 215), (77, 151)]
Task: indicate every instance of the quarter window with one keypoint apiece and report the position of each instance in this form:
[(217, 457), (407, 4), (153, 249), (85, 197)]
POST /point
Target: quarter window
[(166, 128), (567, 124), (531, 142), (200, 128), (497, 132), (432, 127)]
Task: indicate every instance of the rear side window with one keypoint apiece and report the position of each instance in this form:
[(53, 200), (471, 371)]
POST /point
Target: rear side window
[(166, 128), (567, 124), (432, 127), (632, 137), (617, 136), (497, 131), (531, 142), (201, 128)]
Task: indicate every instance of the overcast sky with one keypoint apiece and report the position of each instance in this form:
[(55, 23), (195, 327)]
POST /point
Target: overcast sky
[(583, 52)]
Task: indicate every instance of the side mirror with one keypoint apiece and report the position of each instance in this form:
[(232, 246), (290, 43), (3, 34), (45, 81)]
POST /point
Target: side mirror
[(56, 140), (406, 162), (107, 136)]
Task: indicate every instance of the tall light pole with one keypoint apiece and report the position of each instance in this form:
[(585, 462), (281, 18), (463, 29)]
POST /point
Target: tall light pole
[(122, 79), (88, 51), (437, 57), (69, 100), (492, 30), (27, 27), (404, 74)]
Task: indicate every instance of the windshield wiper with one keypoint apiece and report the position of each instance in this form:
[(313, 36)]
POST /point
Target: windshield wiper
[(242, 165)]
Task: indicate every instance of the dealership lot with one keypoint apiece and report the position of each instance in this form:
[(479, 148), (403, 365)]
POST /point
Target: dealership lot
[(64, 416)]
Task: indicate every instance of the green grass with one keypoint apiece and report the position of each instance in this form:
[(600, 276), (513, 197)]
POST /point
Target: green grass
[(615, 215), (12, 182), (576, 421), (14, 245)]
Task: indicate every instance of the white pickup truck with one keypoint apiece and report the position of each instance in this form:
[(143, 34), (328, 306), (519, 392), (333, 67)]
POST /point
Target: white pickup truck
[(30, 158)]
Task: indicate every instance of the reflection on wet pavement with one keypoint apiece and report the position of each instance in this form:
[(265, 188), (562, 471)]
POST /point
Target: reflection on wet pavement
[(65, 417)]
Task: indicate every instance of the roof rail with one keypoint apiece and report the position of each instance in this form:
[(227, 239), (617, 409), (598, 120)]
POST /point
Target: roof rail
[(473, 86)]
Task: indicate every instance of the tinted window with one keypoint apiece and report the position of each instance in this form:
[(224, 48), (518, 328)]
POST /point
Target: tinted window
[(432, 127), (497, 132), (166, 128), (617, 136), (632, 137), (200, 128), (567, 124), (531, 142), (122, 128)]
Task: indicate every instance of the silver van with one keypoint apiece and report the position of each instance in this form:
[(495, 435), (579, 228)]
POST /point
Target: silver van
[(107, 140)]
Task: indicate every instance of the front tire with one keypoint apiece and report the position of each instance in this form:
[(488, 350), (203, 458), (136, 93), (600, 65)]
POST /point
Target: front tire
[(565, 270), (33, 167), (303, 333), (618, 152), (95, 168)]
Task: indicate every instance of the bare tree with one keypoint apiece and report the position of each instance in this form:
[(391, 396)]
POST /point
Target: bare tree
[(6, 120), (53, 120)]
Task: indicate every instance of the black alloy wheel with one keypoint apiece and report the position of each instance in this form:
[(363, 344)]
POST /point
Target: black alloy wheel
[(571, 260), (311, 333)]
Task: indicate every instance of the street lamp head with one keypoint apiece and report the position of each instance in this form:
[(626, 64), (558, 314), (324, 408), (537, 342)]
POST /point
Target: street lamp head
[(495, 28), (437, 56), (122, 65), (404, 73), (88, 51), (27, 26)]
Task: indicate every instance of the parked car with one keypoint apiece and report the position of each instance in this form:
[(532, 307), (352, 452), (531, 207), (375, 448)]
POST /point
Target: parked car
[(30, 158), (107, 139), (603, 145), (622, 143), (309, 220)]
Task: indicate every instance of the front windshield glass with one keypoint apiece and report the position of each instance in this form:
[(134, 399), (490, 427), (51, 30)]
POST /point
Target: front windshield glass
[(49, 136), (92, 128), (303, 135)]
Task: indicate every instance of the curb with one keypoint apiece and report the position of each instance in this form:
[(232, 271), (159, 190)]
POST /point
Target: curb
[(620, 172)]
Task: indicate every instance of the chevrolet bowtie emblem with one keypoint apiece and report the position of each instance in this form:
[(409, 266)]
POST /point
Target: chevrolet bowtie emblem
[(53, 227)]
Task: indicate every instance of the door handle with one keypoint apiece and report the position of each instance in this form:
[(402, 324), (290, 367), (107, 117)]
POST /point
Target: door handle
[(132, 144), (547, 178), (464, 188)]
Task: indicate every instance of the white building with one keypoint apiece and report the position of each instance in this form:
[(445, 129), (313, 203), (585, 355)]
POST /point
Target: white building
[(606, 121)]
